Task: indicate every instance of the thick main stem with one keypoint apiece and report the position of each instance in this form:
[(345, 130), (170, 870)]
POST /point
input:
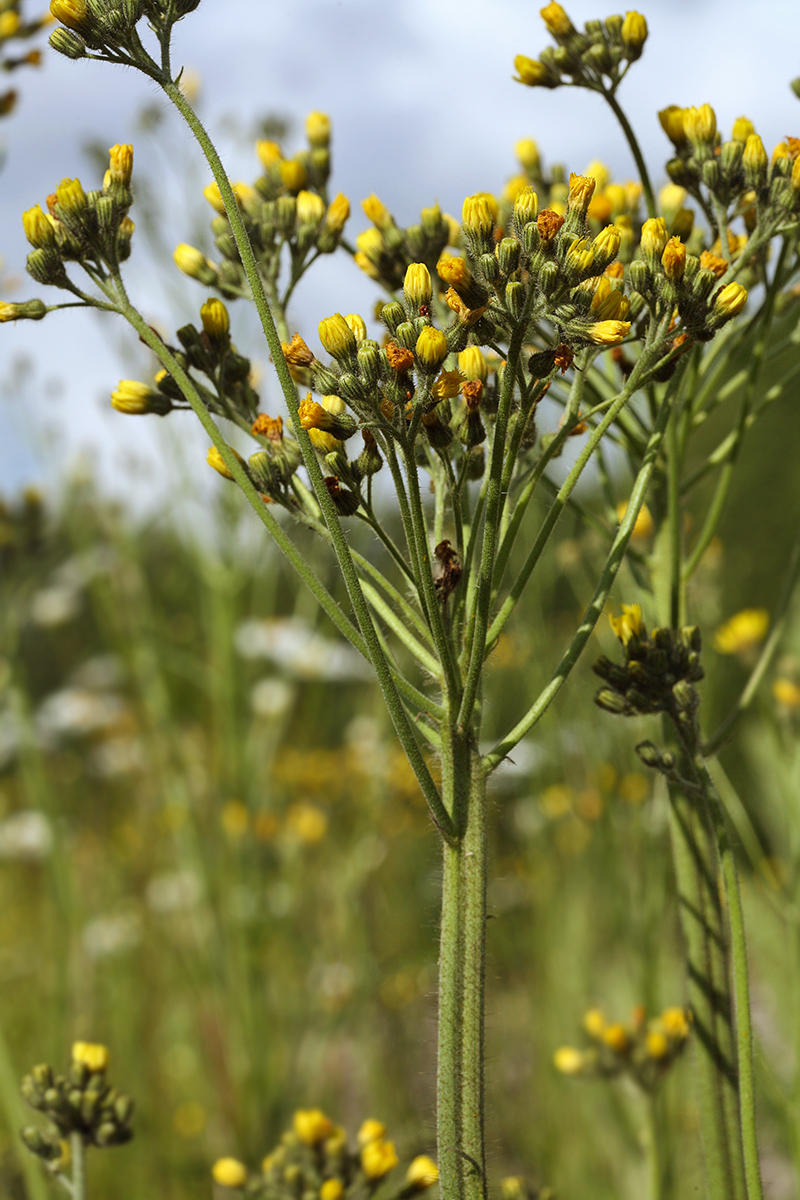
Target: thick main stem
[(460, 1079)]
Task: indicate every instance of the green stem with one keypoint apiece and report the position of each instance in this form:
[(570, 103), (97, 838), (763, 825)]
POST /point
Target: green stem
[(460, 1082), (78, 1149), (652, 1131), (631, 139), (741, 984), (590, 618)]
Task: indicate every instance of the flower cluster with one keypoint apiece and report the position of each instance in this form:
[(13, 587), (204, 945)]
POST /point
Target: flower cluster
[(80, 1102), (596, 58), (285, 209), (90, 228), (108, 27), (315, 1159), (641, 1049), (659, 671)]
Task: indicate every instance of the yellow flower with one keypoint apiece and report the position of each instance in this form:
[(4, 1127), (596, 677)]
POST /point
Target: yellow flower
[(675, 1023), (472, 363), (377, 212), (310, 208), (643, 525), (478, 214), (318, 130), (235, 819), (568, 1060), (312, 1126), (629, 624), (594, 1022), (422, 1173), (754, 157), (121, 163), (526, 206), (371, 1131), (616, 1038), (338, 213), (786, 693), (742, 632), (730, 300), (332, 1189), (191, 261), (215, 460), (609, 333), (607, 243), (527, 153), (656, 1044), (557, 21), (742, 129), (269, 153), (634, 31), (431, 347), (38, 227), (700, 124), (358, 325), (672, 122), (215, 318), (530, 71), (229, 1172), (581, 190), (673, 259), (70, 196), (9, 24), (378, 1159), (336, 336), (91, 1055), (447, 385), (132, 397), (654, 237), (72, 13), (293, 175), (417, 284)]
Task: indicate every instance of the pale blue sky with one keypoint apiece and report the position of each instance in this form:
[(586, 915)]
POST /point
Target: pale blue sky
[(424, 109)]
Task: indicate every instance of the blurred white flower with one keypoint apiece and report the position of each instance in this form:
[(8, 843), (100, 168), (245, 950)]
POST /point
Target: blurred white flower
[(291, 643), (98, 674), (25, 836), (174, 891), (117, 756), (76, 711), (271, 697), (54, 606), (112, 934)]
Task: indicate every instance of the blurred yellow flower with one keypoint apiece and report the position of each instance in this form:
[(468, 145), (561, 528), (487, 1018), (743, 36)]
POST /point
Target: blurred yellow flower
[(229, 1172), (742, 632), (378, 1159)]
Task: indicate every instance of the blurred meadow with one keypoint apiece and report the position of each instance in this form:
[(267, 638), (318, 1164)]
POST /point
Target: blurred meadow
[(215, 860)]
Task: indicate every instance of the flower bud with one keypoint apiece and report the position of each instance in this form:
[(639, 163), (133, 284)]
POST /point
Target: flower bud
[(318, 129), (581, 190), (310, 209), (90, 1054), (534, 73), (31, 310), (729, 301), (215, 460), (377, 212), (634, 34), (137, 399), (72, 13), (608, 333), (431, 348), (417, 285), (526, 206), (754, 162), (673, 260), (472, 364), (215, 318), (39, 229), (557, 21), (193, 262), (337, 337), (68, 42), (654, 238), (478, 215), (672, 121), (742, 129), (700, 125)]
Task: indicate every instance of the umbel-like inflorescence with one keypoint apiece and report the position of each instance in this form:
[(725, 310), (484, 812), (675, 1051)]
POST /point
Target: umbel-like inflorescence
[(640, 1049)]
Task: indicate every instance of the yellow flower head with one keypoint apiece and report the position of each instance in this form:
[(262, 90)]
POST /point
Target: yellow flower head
[(675, 1023), (742, 129), (472, 363), (629, 624), (70, 196), (38, 227), (377, 212), (479, 213), (568, 1060), (654, 237), (332, 1189), (754, 158), (293, 175), (616, 1037), (91, 1055), (581, 190), (132, 397), (229, 1172), (643, 526), (310, 208), (417, 284), (72, 13), (431, 347), (371, 1131), (609, 333), (447, 385), (190, 260), (527, 153), (656, 1044), (338, 213), (530, 71), (422, 1173), (269, 153), (121, 163), (786, 692), (378, 1159), (673, 259), (215, 460), (594, 1022), (336, 336), (312, 1126), (607, 243), (730, 300), (215, 318), (526, 206), (700, 124), (557, 21), (9, 24), (358, 326), (318, 130), (742, 632), (634, 31), (672, 122)]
